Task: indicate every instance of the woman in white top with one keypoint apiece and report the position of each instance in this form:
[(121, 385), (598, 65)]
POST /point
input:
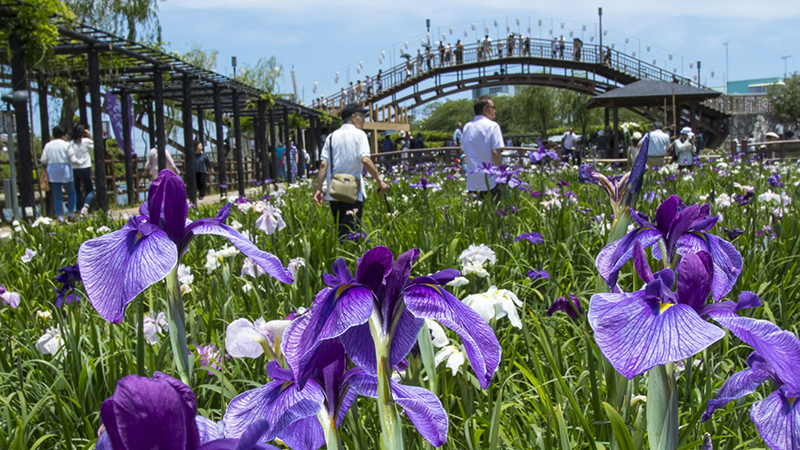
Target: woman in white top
[(81, 148), (57, 157), (684, 149)]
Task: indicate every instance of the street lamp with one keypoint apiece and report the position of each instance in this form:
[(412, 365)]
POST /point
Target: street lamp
[(785, 58), (727, 70), (17, 99), (233, 63)]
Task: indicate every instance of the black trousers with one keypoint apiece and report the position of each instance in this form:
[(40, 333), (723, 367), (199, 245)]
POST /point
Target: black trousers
[(201, 183), (347, 222), (83, 184)]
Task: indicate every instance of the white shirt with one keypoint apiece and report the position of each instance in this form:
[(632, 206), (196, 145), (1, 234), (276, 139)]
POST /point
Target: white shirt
[(659, 142), (685, 152), (83, 153), (152, 163), (457, 136), (479, 138), (56, 155), (349, 145), (569, 140)]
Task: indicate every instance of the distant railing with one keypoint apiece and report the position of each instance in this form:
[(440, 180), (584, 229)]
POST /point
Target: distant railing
[(741, 104), (770, 150)]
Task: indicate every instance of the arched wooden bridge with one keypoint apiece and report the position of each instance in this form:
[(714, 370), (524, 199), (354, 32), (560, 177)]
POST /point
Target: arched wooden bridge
[(585, 68)]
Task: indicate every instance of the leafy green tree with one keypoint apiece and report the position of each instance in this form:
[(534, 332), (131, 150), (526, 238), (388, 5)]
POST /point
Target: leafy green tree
[(264, 74), (205, 59), (127, 17), (538, 104), (444, 116), (785, 98)]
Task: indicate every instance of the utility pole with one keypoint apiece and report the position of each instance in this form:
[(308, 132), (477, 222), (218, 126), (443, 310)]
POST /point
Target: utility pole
[(785, 66), (233, 63), (428, 25), (727, 70)]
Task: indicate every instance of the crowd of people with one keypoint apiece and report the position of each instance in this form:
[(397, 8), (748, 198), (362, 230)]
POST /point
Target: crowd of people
[(444, 54), (68, 170)]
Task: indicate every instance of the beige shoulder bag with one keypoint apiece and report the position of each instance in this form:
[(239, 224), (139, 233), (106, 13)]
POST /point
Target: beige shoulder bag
[(344, 187)]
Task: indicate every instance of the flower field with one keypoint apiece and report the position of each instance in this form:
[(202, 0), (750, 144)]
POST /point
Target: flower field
[(535, 343)]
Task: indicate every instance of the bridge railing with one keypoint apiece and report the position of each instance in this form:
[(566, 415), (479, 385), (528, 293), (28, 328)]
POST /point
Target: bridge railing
[(474, 53)]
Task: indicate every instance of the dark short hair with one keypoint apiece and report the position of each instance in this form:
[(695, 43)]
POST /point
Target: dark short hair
[(59, 131), (481, 103)]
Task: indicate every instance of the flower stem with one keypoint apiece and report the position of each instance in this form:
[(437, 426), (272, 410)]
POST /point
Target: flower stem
[(391, 428), (662, 408), (332, 439), (177, 326)]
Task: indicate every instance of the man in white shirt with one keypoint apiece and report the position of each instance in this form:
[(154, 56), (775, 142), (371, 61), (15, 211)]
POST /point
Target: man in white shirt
[(457, 135), (659, 143), (568, 142), (482, 142), (348, 149)]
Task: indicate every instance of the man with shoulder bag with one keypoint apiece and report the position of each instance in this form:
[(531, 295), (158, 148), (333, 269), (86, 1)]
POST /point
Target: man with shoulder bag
[(344, 156)]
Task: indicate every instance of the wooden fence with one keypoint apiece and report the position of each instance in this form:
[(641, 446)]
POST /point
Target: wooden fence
[(771, 150)]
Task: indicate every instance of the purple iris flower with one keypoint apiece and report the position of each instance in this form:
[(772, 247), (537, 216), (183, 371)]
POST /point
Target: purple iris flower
[(654, 326), (68, 276), (571, 306), (381, 308), (161, 413), (117, 266), (681, 230), (533, 238), (562, 183), (745, 199), (541, 153), (774, 180), (733, 234), (331, 389), (775, 358), (424, 184), (535, 274)]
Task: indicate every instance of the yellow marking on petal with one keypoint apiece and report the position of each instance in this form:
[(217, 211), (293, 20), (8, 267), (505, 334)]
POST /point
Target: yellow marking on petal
[(341, 289), (138, 235), (665, 306), (286, 384), (791, 400)]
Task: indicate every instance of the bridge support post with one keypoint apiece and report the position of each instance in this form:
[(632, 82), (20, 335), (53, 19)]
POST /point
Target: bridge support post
[(273, 155), (616, 132), (221, 166)]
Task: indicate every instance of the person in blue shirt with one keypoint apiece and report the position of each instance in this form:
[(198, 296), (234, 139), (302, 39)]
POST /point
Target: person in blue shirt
[(280, 150), (201, 166), (387, 146), (292, 161)]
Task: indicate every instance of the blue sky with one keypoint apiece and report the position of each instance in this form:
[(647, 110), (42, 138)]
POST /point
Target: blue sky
[(320, 38)]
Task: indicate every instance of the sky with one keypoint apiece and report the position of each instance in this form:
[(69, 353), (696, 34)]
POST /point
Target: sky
[(320, 37)]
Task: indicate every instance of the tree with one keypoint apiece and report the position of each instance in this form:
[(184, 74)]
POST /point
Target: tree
[(264, 74), (785, 98), (444, 116), (201, 58), (537, 103), (120, 16)]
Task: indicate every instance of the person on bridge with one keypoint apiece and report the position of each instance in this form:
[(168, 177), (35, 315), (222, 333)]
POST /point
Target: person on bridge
[(430, 57), (459, 52), (511, 40), (379, 81), (368, 86), (457, 135), (659, 143), (487, 47), (482, 143), (419, 62), (441, 54), (561, 45), (349, 147), (448, 54), (526, 46), (554, 48)]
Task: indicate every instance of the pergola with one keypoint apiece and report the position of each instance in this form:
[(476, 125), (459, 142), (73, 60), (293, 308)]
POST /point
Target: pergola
[(124, 67), (652, 93)]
